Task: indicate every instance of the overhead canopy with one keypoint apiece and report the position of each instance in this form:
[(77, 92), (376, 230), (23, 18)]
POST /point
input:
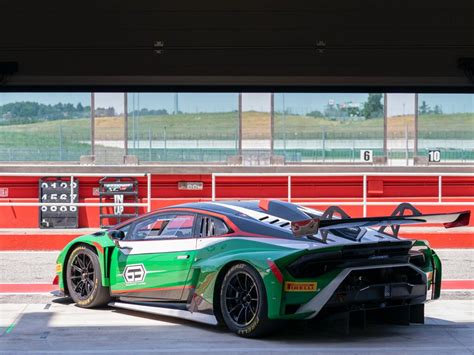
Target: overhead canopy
[(247, 45)]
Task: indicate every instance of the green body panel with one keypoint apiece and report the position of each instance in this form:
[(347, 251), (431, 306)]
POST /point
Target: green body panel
[(206, 264), (211, 260), (163, 270), (433, 265)]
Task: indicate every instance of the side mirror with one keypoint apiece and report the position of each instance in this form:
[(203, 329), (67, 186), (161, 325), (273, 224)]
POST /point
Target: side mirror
[(116, 235)]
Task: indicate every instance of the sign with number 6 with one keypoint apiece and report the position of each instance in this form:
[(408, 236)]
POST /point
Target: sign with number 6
[(367, 156)]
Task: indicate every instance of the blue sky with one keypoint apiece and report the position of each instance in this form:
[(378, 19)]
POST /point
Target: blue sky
[(218, 102)]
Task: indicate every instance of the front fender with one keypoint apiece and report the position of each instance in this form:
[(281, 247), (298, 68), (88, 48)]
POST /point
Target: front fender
[(101, 243)]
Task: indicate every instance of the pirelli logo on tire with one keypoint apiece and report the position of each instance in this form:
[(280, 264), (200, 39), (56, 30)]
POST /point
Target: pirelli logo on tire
[(300, 286)]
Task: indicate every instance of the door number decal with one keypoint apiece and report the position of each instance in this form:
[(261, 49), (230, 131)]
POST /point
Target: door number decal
[(134, 273)]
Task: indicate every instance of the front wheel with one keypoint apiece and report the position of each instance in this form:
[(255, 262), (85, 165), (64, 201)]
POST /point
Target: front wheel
[(83, 277), (243, 302)]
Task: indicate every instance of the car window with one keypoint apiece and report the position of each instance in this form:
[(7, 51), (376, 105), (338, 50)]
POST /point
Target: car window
[(167, 226), (212, 227), (181, 226)]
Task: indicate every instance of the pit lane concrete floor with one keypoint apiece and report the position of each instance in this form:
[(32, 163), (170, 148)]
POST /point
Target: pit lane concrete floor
[(62, 328)]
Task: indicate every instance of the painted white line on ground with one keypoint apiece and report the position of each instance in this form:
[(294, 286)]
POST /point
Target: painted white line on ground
[(370, 349), (29, 251)]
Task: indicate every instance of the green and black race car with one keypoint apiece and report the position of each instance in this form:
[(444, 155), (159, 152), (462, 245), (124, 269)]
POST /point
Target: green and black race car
[(251, 264)]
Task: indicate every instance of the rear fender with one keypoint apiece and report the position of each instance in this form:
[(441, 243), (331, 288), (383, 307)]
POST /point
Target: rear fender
[(433, 265), (437, 275), (207, 272)]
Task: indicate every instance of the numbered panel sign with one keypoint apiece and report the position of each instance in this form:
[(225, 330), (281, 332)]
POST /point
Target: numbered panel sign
[(57, 191), (434, 155), (121, 191), (367, 156)]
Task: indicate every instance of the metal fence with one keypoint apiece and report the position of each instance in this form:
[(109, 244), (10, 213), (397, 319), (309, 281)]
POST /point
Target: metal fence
[(80, 204), (364, 202)]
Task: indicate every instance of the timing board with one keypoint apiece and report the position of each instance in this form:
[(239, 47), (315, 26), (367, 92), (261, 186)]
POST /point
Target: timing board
[(57, 191)]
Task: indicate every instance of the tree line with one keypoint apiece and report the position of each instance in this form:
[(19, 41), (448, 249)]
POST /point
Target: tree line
[(425, 109), (28, 112), (372, 108)]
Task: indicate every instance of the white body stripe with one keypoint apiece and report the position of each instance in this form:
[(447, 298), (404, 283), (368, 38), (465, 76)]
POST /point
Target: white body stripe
[(158, 246), (262, 217), (251, 213), (167, 246)]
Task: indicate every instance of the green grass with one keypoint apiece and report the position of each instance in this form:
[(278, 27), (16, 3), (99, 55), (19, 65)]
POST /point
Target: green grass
[(65, 139), (457, 126), (305, 127), (59, 140), (218, 126)]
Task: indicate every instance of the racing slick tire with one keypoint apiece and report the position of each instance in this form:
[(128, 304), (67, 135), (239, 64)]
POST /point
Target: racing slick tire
[(243, 302), (83, 277)]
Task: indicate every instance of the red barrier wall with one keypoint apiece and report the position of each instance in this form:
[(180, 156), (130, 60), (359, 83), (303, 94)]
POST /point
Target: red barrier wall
[(165, 192)]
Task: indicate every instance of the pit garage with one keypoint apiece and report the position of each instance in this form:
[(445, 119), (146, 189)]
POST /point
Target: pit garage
[(245, 177)]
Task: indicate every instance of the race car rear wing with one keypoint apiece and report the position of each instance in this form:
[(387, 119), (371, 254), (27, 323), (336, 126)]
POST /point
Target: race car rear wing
[(309, 227)]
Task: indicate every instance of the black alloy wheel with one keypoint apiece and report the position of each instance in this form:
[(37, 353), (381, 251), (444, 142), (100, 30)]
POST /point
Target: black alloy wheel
[(82, 276), (242, 298), (243, 302)]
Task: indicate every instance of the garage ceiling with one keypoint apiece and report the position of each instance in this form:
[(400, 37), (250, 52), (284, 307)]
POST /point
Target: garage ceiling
[(295, 45)]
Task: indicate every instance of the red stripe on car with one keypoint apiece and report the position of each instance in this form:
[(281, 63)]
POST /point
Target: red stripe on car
[(153, 289), (264, 204), (99, 247)]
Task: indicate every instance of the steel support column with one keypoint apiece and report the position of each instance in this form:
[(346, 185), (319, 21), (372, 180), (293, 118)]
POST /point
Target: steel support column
[(92, 124), (385, 123), (415, 137), (125, 123), (240, 126), (272, 124)]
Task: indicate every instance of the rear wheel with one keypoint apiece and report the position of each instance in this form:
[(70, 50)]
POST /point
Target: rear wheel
[(83, 277), (243, 302)]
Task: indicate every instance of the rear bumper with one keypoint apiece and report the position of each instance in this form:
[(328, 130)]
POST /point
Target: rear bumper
[(392, 291)]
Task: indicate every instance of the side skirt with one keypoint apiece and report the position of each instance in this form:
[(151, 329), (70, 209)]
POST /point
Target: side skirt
[(167, 311)]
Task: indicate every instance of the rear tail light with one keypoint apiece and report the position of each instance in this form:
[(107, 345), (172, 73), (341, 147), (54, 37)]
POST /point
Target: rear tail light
[(275, 270)]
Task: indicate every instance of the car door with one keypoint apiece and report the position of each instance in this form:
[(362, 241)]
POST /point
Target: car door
[(155, 257)]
